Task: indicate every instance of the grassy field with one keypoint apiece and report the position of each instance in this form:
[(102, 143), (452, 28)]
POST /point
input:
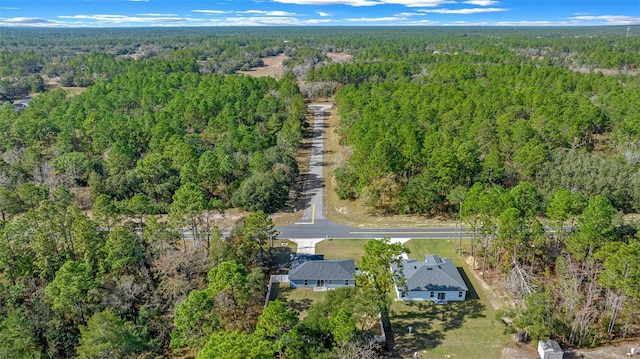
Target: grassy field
[(456, 330), (342, 249)]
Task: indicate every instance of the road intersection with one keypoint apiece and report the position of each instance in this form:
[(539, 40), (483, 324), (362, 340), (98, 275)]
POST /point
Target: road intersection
[(313, 227)]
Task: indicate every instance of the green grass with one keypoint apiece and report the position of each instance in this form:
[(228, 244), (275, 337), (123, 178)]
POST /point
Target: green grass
[(299, 299), (282, 250), (342, 249), (460, 330)]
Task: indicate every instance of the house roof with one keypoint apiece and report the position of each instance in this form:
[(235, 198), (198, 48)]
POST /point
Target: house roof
[(324, 269), (434, 274), (300, 258)]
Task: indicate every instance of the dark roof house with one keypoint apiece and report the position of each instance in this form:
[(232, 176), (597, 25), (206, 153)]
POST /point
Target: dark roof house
[(323, 273), (434, 279)]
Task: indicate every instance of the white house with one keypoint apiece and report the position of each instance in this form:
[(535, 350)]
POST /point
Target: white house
[(435, 279)]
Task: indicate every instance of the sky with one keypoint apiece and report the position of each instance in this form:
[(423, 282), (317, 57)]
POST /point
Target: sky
[(147, 13)]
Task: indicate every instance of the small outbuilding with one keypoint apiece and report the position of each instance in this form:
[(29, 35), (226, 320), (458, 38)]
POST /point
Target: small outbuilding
[(550, 349)]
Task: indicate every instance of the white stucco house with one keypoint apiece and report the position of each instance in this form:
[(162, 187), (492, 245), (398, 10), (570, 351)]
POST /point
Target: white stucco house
[(436, 279)]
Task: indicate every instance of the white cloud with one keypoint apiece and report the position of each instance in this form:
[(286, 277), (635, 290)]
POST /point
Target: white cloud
[(211, 11), (123, 19), (331, 2), (322, 13), (155, 14), (266, 21), (29, 21), (139, 0), (376, 19), (477, 10), (9, 8), (418, 3), (606, 19), (408, 3), (481, 2), (267, 13), (409, 14)]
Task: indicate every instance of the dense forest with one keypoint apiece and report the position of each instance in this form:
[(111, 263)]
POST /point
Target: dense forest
[(108, 245)]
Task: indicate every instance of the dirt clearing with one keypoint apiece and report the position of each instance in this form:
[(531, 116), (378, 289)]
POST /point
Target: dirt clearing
[(272, 67), (339, 57)]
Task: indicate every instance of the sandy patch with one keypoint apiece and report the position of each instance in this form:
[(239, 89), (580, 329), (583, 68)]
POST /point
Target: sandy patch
[(272, 67), (339, 57)]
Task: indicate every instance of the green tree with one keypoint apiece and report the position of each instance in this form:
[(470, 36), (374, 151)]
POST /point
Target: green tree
[(253, 239), (138, 206), (104, 211), (276, 320), (595, 228), (124, 250), (106, 335), (621, 274), (194, 320), (236, 345), (69, 290), (535, 318), (187, 209), (16, 337), (9, 204), (379, 256)]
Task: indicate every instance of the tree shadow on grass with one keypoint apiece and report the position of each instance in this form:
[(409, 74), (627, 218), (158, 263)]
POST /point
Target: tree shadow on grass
[(284, 293), (453, 315), (430, 322), (420, 316)]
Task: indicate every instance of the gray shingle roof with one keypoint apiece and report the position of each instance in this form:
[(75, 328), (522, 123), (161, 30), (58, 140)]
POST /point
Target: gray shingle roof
[(434, 274), (324, 269)]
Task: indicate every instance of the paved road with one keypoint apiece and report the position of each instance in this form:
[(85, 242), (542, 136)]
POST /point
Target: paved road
[(323, 229), (314, 227), (315, 177)]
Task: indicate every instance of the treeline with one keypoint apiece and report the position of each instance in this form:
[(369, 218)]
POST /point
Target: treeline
[(578, 278), (154, 129), (116, 286), (414, 139), (73, 286), (78, 58)]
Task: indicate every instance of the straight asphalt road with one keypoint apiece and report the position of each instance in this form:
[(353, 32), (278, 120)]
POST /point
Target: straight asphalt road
[(314, 227)]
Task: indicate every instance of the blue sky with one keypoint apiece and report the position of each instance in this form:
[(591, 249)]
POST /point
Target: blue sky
[(137, 13)]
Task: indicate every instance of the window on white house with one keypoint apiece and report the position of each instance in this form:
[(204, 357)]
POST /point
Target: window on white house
[(346, 282), (431, 294), (306, 282), (459, 294)]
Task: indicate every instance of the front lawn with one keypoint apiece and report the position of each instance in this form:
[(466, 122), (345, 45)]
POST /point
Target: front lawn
[(455, 330), (342, 249)]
